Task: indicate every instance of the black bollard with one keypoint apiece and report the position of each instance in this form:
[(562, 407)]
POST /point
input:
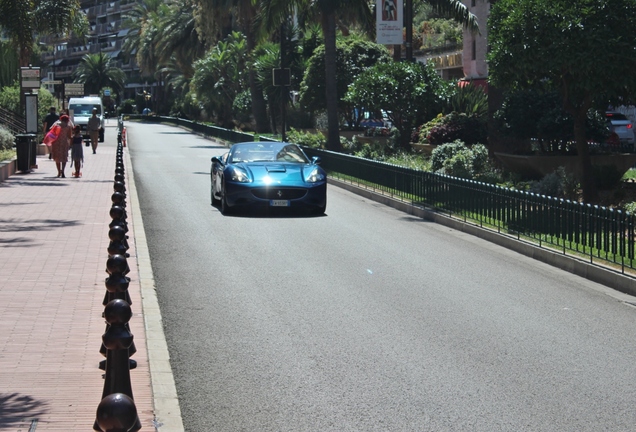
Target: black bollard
[(117, 341), (117, 289), (117, 267), (118, 241), (118, 199), (117, 413), (120, 187), (118, 214)]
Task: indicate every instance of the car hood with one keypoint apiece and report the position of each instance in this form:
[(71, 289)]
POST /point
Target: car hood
[(275, 173)]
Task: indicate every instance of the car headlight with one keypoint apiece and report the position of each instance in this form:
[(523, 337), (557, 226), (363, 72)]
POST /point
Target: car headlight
[(239, 175), (314, 176)]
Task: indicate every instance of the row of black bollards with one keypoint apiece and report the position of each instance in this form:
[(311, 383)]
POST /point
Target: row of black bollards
[(117, 411)]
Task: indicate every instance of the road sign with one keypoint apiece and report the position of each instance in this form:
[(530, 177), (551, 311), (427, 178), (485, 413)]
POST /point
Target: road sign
[(52, 82), (30, 77), (72, 89)]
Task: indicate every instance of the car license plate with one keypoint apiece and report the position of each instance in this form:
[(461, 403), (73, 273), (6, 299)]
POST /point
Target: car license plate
[(279, 203)]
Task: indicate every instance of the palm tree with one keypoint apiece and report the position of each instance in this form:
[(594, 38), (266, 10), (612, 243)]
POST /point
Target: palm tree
[(277, 11), (217, 18), (95, 71), (21, 21)]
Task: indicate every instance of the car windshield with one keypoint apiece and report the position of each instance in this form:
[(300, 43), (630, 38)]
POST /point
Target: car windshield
[(267, 152), (84, 110)]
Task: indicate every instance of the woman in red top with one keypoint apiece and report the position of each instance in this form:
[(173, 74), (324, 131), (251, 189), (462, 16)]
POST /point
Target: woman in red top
[(59, 147)]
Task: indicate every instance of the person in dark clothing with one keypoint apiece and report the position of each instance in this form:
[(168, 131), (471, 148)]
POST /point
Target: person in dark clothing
[(49, 121)]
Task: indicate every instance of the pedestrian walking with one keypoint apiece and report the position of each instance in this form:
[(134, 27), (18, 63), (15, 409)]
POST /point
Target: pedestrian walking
[(59, 147), (93, 126), (77, 151), (48, 123)]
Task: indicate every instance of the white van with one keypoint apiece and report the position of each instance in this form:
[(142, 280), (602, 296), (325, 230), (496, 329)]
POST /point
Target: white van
[(81, 109)]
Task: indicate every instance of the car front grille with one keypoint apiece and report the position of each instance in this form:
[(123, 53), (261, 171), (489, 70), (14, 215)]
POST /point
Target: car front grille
[(279, 193)]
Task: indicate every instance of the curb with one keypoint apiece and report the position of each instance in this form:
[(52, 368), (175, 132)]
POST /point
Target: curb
[(165, 400), (7, 169)]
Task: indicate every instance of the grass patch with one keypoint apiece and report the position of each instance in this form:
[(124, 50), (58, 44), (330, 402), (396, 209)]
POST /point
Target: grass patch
[(6, 155), (630, 174)]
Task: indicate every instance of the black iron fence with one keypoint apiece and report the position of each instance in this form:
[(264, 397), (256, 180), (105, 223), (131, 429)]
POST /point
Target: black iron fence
[(587, 231)]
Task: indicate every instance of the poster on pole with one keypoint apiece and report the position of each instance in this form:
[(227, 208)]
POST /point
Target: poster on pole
[(389, 21), (32, 124)]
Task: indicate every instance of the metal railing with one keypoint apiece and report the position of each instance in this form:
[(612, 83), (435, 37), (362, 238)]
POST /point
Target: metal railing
[(583, 230), (12, 121)]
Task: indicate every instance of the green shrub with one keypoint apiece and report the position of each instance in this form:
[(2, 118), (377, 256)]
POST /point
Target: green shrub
[(459, 160), (557, 184), (630, 207), (460, 164), (242, 106), (308, 139), (444, 152), (126, 107), (6, 139)]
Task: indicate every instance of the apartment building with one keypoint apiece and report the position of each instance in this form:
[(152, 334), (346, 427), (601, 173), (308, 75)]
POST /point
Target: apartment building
[(107, 34)]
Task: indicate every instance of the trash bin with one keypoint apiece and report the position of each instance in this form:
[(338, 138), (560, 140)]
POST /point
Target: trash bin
[(25, 151)]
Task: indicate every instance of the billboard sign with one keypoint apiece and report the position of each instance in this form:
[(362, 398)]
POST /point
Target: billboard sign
[(389, 22)]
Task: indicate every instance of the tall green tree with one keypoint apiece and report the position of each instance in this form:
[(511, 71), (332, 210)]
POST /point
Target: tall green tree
[(276, 12), (220, 76), (409, 93), (24, 20), (96, 71), (332, 14), (584, 49), (216, 19), (353, 56)]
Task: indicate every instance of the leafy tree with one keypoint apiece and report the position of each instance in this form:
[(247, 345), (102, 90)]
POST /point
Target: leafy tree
[(221, 76), (274, 12), (96, 71), (410, 94), (10, 100), (526, 114), (583, 49), (216, 19), (21, 21), (9, 66), (143, 24), (353, 56)]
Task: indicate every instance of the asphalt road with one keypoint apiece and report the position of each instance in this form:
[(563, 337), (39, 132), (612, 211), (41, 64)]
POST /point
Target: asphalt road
[(368, 319)]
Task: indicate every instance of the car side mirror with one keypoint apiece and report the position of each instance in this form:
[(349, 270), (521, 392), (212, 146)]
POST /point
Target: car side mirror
[(316, 160), (215, 160)]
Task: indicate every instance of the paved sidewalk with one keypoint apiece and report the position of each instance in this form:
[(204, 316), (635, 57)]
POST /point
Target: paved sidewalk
[(54, 239)]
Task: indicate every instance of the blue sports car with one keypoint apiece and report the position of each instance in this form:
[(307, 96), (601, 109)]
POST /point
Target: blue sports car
[(268, 174)]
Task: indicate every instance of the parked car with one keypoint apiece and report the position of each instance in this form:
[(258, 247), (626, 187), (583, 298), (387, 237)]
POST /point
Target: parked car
[(265, 175), (620, 125)]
